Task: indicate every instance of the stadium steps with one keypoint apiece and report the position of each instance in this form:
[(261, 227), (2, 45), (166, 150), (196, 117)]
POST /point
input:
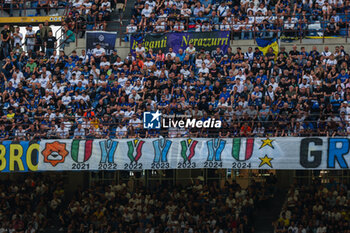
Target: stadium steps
[(268, 212), (121, 20)]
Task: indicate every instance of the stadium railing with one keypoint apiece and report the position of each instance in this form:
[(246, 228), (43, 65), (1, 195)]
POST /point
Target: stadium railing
[(312, 29), (272, 128), (28, 7)]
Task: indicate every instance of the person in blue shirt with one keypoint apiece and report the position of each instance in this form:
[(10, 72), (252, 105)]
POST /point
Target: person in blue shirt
[(10, 89), (265, 29), (262, 76), (336, 101), (257, 53), (181, 55), (316, 12), (206, 3), (214, 19), (163, 103), (70, 88), (74, 56), (225, 93), (79, 88), (343, 76), (70, 65), (225, 64)]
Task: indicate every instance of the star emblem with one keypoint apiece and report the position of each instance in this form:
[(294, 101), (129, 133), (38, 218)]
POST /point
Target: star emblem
[(265, 160), (155, 115), (267, 142)]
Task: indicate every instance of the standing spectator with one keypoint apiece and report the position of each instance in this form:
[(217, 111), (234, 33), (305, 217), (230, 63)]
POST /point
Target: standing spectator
[(45, 31), (39, 42), (17, 37), (42, 4), (120, 5), (8, 7), (30, 38), (50, 44), (130, 29), (5, 41)]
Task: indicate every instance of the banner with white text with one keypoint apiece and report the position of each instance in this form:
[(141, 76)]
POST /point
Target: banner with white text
[(181, 153), (105, 39)]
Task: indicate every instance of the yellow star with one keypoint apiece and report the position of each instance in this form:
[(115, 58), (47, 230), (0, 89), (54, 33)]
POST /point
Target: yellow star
[(267, 142), (266, 160)]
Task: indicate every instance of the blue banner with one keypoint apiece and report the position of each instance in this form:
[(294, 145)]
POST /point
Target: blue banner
[(176, 40), (19, 156), (105, 39)]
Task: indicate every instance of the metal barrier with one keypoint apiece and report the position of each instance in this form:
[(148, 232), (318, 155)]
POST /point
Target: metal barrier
[(11, 8), (301, 30), (100, 127)]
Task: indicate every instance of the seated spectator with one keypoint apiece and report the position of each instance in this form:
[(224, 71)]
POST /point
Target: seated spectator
[(68, 38), (332, 28)]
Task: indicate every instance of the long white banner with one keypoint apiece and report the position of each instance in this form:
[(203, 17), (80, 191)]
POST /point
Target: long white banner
[(181, 153)]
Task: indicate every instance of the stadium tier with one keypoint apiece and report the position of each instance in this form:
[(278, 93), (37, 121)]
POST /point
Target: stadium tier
[(205, 116)]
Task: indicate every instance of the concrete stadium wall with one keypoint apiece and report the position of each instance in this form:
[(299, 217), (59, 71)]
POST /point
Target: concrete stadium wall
[(124, 47)]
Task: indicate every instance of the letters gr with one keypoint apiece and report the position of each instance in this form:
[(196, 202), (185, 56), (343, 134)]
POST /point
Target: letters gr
[(337, 149)]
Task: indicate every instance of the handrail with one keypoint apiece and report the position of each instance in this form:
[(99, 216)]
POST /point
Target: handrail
[(299, 31), (66, 11), (180, 116), (24, 8)]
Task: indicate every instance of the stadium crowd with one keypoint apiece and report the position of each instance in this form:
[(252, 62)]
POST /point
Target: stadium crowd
[(317, 208), (81, 15), (37, 204), (243, 18), (48, 95), (84, 8)]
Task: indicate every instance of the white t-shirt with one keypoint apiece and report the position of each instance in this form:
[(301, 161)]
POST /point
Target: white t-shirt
[(30, 41), (151, 4), (331, 62), (223, 10), (107, 4), (122, 81), (326, 54), (236, 26), (118, 64), (224, 27), (289, 25), (140, 50), (121, 131), (77, 4), (146, 12), (44, 81), (103, 64), (131, 28), (18, 39), (66, 100), (98, 52), (190, 50), (203, 70)]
